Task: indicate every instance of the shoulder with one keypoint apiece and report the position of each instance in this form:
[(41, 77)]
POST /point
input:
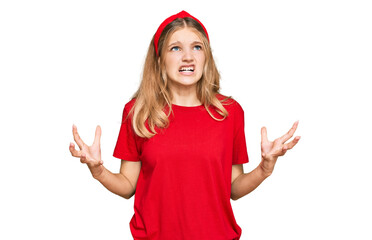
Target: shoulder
[(229, 103), (129, 105), (127, 111)]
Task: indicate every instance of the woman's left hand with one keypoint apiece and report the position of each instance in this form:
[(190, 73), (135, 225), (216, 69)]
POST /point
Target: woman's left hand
[(270, 151)]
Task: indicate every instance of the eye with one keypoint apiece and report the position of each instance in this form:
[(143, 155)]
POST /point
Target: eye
[(175, 48), (198, 47)]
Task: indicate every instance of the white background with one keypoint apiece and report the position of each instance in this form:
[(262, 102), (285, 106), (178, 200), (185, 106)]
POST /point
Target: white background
[(78, 62)]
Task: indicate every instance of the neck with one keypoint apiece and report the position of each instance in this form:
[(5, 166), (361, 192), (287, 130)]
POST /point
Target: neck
[(185, 96)]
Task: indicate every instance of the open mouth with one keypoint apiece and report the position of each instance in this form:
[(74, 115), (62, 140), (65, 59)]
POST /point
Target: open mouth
[(186, 69)]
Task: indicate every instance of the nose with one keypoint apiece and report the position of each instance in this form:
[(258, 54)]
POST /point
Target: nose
[(187, 55)]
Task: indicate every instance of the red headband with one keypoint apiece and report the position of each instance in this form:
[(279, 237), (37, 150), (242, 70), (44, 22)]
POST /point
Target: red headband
[(181, 14)]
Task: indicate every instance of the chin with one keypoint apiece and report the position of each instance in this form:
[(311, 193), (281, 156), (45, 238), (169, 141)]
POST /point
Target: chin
[(185, 82)]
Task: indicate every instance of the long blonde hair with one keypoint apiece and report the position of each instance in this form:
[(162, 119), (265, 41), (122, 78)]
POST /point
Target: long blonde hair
[(154, 94)]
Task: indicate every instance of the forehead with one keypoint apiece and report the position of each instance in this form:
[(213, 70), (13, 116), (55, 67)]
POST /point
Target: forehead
[(185, 35)]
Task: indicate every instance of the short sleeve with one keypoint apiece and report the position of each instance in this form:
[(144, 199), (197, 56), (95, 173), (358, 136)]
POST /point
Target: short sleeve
[(127, 146), (240, 154)]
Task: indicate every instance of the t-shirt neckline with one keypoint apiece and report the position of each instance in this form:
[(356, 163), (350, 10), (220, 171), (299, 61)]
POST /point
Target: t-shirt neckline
[(186, 107)]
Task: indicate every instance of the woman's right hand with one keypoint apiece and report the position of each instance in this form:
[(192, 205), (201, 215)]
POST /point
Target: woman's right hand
[(91, 155)]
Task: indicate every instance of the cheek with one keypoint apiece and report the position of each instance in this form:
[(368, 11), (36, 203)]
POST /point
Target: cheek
[(168, 66), (201, 62), (201, 59), (171, 64)]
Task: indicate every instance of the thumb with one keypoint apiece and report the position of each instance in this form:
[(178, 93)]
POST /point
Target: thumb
[(97, 137), (263, 135)]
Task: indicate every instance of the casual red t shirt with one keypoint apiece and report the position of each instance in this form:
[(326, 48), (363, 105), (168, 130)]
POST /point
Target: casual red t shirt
[(184, 186)]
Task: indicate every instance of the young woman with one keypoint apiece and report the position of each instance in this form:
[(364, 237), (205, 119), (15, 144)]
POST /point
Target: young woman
[(182, 143)]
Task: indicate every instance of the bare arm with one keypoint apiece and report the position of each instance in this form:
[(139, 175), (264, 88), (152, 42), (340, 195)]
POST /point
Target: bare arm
[(244, 183), (123, 183)]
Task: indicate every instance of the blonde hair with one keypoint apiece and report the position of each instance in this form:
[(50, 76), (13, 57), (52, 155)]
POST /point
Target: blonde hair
[(154, 94)]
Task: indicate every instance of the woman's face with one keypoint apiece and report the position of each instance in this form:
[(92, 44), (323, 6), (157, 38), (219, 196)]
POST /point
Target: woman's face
[(184, 58)]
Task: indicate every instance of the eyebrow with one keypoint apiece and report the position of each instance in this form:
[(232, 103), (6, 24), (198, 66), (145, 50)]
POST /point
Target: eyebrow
[(178, 42)]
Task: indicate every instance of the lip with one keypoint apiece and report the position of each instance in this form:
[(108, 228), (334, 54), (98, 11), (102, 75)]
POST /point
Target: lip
[(186, 73), (191, 65)]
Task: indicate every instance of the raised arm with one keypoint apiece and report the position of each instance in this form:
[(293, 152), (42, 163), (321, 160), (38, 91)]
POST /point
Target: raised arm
[(122, 183), (244, 183)]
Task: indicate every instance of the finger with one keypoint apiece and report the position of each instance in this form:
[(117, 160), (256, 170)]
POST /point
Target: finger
[(83, 158), (73, 151), (264, 135), (293, 143), (280, 151), (77, 138), (284, 150), (86, 159), (97, 138), (290, 133), (90, 161)]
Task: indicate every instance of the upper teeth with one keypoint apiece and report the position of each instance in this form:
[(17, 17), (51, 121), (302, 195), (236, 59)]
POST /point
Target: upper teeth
[(187, 69)]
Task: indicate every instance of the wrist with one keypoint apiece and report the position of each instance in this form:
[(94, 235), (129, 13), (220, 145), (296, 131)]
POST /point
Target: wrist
[(264, 171), (98, 173)]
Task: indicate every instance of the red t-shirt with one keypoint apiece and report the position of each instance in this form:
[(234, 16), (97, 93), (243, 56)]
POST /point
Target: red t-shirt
[(184, 186)]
